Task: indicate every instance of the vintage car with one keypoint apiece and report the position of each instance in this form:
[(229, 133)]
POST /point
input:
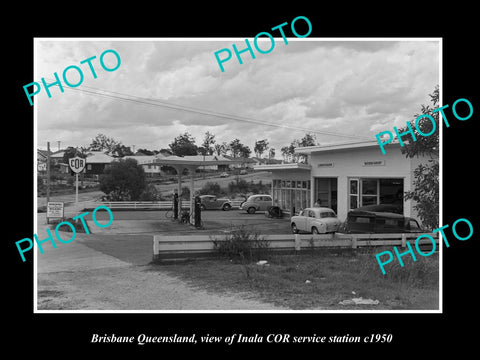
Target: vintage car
[(315, 220), (364, 221), (208, 202), (260, 202)]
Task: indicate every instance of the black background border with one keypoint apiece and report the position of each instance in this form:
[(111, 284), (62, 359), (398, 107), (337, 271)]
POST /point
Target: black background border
[(59, 333)]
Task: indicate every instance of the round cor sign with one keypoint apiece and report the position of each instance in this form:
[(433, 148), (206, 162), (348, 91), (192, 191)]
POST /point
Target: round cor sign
[(77, 164)]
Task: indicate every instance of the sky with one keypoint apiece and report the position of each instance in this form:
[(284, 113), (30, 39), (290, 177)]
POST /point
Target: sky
[(354, 88)]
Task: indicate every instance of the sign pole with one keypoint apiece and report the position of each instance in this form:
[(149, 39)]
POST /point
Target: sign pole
[(77, 164), (76, 189), (48, 175)]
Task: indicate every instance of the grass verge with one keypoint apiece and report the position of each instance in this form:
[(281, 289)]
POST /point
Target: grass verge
[(320, 279)]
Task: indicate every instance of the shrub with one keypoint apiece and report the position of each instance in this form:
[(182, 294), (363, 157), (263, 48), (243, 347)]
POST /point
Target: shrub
[(77, 224), (117, 195), (150, 193), (242, 243), (420, 273), (211, 188), (124, 178), (185, 192)]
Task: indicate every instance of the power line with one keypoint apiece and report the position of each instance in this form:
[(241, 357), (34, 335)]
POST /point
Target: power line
[(164, 104)]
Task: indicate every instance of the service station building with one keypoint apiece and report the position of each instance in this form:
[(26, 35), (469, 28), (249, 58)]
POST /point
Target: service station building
[(344, 177)]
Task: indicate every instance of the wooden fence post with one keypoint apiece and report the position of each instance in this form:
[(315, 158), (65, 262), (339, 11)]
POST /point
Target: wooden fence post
[(354, 241), (156, 250), (404, 240), (298, 243)]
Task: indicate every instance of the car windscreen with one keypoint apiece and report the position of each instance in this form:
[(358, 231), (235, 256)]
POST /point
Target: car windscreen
[(327, 214)]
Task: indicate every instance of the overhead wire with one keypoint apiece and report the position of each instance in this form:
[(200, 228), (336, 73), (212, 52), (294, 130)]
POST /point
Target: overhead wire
[(164, 104)]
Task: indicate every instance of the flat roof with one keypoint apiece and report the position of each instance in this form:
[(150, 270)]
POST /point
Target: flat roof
[(339, 146), (177, 160), (289, 166)]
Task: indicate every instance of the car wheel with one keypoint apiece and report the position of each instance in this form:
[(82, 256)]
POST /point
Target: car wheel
[(314, 230), (251, 210), (226, 207), (294, 228), (202, 207)]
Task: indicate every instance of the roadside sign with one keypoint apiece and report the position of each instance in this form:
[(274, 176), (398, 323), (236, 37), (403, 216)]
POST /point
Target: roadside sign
[(55, 209), (41, 166), (77, 164)]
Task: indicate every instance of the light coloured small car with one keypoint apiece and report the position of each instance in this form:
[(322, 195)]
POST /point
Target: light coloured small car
[(315, 220), (255, 203)]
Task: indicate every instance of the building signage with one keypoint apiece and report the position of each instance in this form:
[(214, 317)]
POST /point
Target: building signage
[(55, 209), (374, 163), (325, 164), (77, 164)]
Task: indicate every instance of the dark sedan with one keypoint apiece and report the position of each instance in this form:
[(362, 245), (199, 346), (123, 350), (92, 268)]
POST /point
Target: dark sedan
[(209, 202)]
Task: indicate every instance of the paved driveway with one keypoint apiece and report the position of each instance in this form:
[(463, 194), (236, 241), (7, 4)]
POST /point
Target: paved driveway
[(109, 271)]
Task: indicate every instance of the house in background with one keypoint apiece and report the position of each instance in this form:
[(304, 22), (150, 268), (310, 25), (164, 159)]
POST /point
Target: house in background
[(265, 161), (56, 157), (56, 161), (146, 161), (241, 162), (209, 158), (97, 162), (42, 160)]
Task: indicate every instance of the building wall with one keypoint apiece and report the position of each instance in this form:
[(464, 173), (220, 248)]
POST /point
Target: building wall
[(349, 163)]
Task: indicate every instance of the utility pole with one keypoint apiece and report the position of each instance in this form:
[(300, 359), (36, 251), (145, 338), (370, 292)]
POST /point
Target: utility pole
[(48, 174)]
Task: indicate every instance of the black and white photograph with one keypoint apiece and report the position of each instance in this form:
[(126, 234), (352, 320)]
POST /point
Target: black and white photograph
[(253, 186), (231, 180)]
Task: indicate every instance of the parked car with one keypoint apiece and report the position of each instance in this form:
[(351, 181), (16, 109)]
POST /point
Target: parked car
[(364, 221), (243, 172), (392, 208), (255, 203), (224, 175), (315, 220), (212, 202)]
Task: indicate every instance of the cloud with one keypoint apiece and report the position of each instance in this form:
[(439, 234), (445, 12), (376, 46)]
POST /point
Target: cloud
[(351, 87)]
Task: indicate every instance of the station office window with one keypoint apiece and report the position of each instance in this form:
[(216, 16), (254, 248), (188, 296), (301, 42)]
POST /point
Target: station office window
[(291, 193), (371, 191)]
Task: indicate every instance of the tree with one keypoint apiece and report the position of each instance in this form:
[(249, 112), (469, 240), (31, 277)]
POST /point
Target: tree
[(308, 140), (426, 176), (71, 152), (121, 150), (285, 150), (245, 151), (124, 180), (109, 146), (221, 149), (145, 152), (234, 147), (103, 143), (260, 147), (207, 147), (184, 145), (271, 153), (288, 152), (424, 145), (425, 193), (237, 149)]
